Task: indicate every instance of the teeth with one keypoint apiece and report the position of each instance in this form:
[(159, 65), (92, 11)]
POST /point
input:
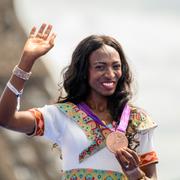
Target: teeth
[(108, 84)]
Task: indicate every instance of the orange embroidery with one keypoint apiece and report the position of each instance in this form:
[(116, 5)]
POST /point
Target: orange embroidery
[(39, 131), (148, 158)]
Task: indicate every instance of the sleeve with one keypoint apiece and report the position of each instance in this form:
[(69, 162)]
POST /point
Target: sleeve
[(146, 148), (145, 131), (144, 127), (49, 122)]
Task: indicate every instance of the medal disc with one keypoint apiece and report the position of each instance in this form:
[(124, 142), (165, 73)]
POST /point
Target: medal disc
[(116, 140)]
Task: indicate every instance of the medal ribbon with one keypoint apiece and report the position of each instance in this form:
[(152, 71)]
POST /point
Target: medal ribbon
[(124, 119)]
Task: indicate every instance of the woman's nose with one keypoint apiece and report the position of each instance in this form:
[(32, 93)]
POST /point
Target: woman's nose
[(110, 73)]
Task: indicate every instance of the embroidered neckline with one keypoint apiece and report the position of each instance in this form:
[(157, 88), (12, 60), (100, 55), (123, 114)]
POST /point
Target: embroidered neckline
[(94, 132), (84, 107)]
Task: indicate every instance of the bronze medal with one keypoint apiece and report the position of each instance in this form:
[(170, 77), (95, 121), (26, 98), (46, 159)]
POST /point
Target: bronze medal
[(116, 140)]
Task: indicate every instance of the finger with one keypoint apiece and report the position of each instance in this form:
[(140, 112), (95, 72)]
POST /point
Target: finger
[(51, 39), (130, 158), (33, 30), (41, 30), (135, 155), (122, 159), (132, 162), (47, 32), (123, 162)]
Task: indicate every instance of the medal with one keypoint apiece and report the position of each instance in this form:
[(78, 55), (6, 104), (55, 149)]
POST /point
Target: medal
[(116, 140)]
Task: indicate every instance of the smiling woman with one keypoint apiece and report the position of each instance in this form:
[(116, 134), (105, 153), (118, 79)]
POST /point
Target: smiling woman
[(96, 107)]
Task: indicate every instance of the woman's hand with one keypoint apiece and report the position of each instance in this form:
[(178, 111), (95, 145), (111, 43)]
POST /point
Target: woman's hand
[(38, 43), (129, 161)]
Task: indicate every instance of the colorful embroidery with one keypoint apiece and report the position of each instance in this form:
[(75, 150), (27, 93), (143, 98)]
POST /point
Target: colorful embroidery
[(93, 131), (135, 118), (139, 122), (39, 129), (148, 158), (92, 174)]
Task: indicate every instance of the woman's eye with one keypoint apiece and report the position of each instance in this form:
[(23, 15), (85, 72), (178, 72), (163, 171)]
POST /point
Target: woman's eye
[(99, 68), (117, 67)]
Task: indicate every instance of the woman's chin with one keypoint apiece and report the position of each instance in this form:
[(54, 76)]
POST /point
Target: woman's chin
[(108, 93)]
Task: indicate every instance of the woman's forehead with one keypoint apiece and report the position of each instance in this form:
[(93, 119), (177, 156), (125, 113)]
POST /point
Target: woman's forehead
[(105, 51)]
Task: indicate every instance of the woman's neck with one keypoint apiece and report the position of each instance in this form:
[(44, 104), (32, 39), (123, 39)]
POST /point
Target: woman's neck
[(98, 104)]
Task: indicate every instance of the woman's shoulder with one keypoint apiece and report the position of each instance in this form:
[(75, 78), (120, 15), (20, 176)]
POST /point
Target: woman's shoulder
[(65, 104), (57, 105), (140, 120), (54, 108)]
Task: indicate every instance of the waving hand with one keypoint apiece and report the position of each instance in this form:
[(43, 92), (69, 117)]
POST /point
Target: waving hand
[(39, 43)]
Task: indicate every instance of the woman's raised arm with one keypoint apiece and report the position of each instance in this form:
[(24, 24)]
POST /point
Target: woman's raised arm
[(37, 44)]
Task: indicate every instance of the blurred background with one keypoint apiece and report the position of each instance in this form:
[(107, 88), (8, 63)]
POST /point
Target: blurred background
[(149, 34)]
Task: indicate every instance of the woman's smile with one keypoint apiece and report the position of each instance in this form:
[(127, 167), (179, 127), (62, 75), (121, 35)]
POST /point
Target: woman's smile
[(109, 85)]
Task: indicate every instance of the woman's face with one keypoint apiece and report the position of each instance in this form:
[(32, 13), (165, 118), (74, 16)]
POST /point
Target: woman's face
[(104, 71)]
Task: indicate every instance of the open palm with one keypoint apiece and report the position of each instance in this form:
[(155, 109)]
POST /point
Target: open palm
[(39, 43)]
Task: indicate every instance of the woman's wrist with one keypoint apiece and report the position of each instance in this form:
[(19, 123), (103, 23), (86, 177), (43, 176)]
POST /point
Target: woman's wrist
[(136, 174), (20, 73), (26, 62)]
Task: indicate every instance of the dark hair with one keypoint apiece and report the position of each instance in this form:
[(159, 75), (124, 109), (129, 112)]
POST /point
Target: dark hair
[(75, 77)]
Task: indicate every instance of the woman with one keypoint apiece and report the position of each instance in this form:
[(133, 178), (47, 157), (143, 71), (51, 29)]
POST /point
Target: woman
[(102, 136)]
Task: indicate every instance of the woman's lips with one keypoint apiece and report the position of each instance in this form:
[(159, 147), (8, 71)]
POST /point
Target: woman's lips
[(108, 85)]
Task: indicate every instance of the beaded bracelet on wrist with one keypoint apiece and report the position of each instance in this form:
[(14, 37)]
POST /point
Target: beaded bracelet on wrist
[(21, 73)]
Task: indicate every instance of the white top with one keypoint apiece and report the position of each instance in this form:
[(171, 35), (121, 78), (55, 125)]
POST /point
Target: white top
[(70, 137)]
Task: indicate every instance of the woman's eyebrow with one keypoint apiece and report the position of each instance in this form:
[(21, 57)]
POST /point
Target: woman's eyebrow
[(103, 62), (99, 62), (117, 62)]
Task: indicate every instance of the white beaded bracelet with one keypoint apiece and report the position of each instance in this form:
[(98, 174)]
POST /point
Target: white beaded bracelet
[(16, 92), (21, 73)]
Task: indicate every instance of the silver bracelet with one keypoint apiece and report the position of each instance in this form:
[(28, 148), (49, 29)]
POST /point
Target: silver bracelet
[(21, 73), (16, 92)]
